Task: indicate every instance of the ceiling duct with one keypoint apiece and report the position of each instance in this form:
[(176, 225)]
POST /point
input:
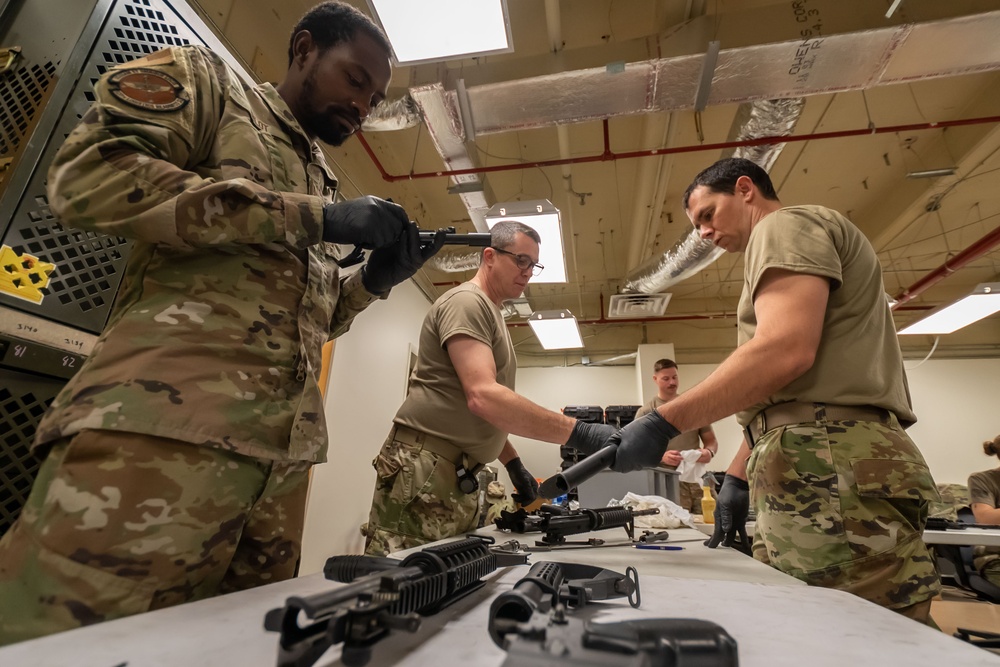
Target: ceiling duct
[(760, 74), (691, 253), (790, 69)]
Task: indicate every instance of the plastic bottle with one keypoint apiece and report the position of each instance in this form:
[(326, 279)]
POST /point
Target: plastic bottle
[(707, 505)]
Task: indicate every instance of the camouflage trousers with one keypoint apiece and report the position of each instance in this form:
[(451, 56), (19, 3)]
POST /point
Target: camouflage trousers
[(986, 560), (416, 500), (121, 523), (690, 497), (842, 504)]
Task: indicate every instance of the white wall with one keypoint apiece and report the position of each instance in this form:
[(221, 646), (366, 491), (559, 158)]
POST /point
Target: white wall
[(555, 388), (365, 388), (957, 408)]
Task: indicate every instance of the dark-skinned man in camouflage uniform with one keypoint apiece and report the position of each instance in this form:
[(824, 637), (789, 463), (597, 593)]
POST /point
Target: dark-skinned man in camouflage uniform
[(177, 458)]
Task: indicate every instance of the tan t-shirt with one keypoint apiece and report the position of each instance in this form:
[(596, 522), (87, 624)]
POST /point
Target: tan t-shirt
[(858, 361), (984, 487), (435, 402), (686, 440)]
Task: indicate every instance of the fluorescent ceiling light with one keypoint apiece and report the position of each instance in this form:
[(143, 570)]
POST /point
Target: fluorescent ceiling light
[(932, 173), (443, 29), (556, 329), (984, 301), (543, 217)]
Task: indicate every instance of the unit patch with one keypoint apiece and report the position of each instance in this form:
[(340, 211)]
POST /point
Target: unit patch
[(147, 89)]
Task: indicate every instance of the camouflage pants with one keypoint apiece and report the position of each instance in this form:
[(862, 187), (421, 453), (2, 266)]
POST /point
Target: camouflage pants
[(987, 563), (119, 523), (690, 497), (416, 500), (843, 505)]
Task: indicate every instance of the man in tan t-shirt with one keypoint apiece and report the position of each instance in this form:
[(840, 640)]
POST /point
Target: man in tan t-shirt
[(667, 381), (840, 491), (461, 405)]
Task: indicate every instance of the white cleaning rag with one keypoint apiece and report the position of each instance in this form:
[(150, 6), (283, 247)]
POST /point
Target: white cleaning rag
[(689, 469)]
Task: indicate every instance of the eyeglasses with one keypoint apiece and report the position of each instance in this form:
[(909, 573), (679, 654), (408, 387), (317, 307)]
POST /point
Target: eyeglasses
[(523, 262)]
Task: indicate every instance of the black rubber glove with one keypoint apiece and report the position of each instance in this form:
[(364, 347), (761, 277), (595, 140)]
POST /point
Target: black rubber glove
[(642, 443), (588, 438), (526, 485), (392, 264), (368, 222), (732, 506)]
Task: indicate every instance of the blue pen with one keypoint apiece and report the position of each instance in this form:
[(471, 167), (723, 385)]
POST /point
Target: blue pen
[(658, 547)]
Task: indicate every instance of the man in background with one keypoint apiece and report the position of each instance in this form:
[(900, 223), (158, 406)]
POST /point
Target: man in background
[(178, 457), (461, 405), (667, 382)]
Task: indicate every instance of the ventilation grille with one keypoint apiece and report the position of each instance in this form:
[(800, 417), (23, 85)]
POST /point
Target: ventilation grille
[(88, 266), (87, 261), (21, 97), (138, 31), (637, 306), (23, 400)]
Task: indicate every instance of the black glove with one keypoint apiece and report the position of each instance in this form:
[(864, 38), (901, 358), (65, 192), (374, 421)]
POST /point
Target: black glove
[(392, 264), (368, 222), (642, 443), (526, 485), (588, 438), (731, 509)]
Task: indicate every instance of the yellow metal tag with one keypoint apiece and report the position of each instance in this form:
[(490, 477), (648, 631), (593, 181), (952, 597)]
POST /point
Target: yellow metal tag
[(23, 276), (9, 56)]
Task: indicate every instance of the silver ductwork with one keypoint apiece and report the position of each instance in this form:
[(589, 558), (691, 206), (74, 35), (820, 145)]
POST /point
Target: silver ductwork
[(396, 115), (763, 118), (792, 69), (768, 75)]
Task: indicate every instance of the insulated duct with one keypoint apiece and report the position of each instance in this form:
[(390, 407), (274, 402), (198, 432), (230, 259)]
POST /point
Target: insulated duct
[(691, 253), (753, 74)]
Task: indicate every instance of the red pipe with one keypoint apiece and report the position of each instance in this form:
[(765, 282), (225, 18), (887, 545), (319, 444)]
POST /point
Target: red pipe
[(971, 253), (608, 154), (673, 318)]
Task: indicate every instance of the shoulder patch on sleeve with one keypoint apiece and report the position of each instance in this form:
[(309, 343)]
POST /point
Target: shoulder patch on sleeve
[(148, 89)]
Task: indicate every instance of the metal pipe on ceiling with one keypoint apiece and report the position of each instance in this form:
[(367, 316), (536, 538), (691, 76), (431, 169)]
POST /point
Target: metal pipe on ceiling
[(609, 155), (971, 253)]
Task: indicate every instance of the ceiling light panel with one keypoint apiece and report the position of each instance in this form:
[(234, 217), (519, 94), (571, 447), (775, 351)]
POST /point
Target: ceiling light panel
[(444, 29), (983, 302)]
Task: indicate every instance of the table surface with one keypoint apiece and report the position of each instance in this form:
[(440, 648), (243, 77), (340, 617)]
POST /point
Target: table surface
[(775, 619), (965, 537)]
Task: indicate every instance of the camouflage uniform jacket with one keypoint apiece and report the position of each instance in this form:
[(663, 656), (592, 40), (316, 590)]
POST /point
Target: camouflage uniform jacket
[(229, 292)]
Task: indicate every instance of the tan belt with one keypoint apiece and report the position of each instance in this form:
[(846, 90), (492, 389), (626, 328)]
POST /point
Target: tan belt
[(431, 443), (794, 412)]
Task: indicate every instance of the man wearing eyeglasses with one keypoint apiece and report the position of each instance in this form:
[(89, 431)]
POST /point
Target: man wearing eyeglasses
[(461, 406)]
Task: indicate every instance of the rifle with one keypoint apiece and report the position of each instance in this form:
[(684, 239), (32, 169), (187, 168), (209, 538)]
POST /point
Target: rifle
[(941, 523), (578, 473), (555, 523), (384, 594), (558, 639), (480, 239)]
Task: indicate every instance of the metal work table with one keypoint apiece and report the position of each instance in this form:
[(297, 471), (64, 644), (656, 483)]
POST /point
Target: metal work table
[(989, 537), (776, 620)]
